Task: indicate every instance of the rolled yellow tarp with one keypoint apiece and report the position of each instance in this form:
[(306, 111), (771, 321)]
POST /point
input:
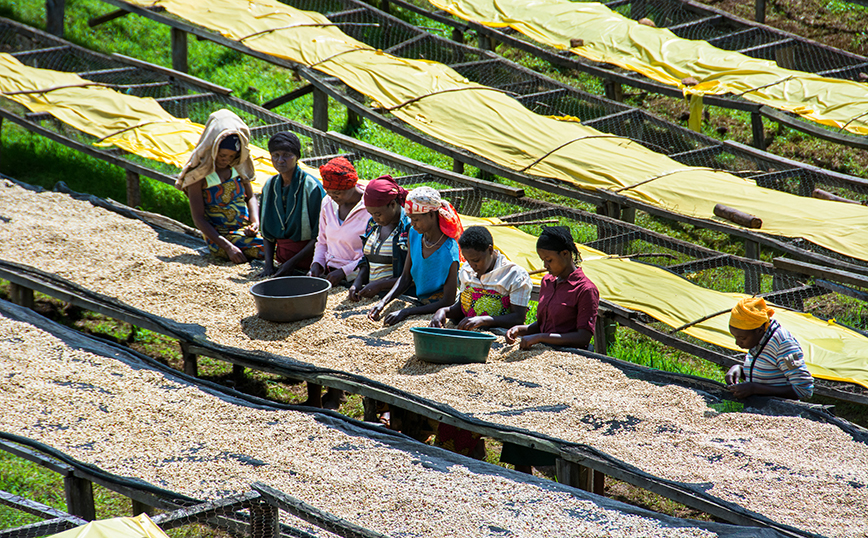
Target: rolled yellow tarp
[(438, 101), (657, 53)]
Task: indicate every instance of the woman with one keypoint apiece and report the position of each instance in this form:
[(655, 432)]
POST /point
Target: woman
[(291, 203), (774, 364), (568, 300), (432, 260), (342, 221), (493, 291), (385, 239), (217, 181)]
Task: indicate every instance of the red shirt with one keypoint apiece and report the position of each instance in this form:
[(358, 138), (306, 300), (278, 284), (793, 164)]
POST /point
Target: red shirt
[(567, 306)]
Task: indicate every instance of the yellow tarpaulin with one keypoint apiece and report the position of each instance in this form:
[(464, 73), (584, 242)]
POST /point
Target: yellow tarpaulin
[(135, 124), (831, 351), (140, 526), (497, 127), (657, 53)]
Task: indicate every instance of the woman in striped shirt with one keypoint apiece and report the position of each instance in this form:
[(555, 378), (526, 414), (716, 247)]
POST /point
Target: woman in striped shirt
[(774, 364)]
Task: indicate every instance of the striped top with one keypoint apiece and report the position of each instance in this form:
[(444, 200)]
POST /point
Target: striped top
[(780, 362)]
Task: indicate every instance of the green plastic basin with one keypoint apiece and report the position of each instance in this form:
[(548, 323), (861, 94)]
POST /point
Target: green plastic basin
[(451, 346)]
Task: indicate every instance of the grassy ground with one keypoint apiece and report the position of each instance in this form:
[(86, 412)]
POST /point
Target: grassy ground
[(39, 161)]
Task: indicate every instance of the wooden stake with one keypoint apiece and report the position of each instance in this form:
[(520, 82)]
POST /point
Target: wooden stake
[(825, 195), (739, 217)]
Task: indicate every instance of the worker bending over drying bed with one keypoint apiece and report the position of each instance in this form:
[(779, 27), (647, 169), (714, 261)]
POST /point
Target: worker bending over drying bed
[(568, 300), (291, 203), (493, 291), (774, 364), (432, 260), (342, 221), (385, 239), (217, 180)]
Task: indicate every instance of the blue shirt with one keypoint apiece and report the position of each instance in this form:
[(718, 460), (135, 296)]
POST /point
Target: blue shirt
[(429, 274)]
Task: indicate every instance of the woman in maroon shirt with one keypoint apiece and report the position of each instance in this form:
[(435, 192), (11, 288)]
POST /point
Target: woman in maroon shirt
[(568, 300)]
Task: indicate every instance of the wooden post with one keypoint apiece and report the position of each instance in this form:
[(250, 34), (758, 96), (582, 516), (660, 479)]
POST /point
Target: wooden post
[(780, 282), (179, 50), (385, 6), (264, 520), (628, 214), (320, 110), (1, 141), (79, 497), (237, 372), (485, 43), (457, 35), (457, 166), (134, 189), (579, 476), (54, 13), (20, 295), (354, 120), (614, 90), (739, 217), (601, 340), (752, 277), (370, 409), (760, 11), (756, 127), (191, 360), (142, 508)]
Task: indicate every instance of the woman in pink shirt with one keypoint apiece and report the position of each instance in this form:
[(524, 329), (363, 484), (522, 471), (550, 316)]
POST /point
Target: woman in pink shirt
[(568, 300), (342, 222)]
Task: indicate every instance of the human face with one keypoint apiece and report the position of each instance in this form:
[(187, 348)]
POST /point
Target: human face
[(424, 222), (747, 339), (559, 264), (480, 262), (385, 214), (224, 158), (284, 162), (341, 196)]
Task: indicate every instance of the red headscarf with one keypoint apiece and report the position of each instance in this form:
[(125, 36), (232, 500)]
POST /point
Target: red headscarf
[(425, 200), (338, 175), (381, 191)]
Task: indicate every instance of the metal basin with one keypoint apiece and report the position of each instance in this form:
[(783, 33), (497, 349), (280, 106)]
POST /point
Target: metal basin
[(290, 298)]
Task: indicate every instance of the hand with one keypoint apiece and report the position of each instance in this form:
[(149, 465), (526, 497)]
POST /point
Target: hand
[(439, 319), (316, 270), (743, 390), (395, 318), (284, 269), (251, 229), (514, 332), (353, 294), (734, 375), (335, 277), (370, 291), (235, 254), (374, 314), (528, 341), (268, 271), (476, 322)]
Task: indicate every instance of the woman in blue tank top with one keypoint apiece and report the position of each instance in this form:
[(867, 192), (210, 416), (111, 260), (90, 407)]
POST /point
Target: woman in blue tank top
[(433, 257)]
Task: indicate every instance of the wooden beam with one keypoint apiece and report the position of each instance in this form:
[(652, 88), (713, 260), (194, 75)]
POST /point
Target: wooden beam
[(211, 87), (827, 273), (287, 97), (36, 508), (200, 512), (110, 16), (43, 528)]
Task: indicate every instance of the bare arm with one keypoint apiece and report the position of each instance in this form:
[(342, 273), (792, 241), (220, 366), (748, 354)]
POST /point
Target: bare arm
[(398, 288), (516, 317), (197, 211), (450, 288), (252, 209)]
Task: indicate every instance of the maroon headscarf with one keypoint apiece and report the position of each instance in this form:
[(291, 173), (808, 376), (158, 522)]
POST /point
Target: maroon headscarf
[(381, 191)]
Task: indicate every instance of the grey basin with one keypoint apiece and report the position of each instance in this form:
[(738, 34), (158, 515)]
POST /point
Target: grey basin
[(290, 298)]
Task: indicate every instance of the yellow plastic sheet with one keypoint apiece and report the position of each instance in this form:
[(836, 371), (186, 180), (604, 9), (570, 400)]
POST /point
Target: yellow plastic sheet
[(497, 127), (137, 125), (660, 55), (140, 526), (831, 351)]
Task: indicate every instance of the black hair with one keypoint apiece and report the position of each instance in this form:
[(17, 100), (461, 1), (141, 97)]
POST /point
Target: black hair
[(557, 239), (476, 238)]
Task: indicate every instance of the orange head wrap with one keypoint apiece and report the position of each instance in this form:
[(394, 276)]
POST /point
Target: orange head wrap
[(750, 313)]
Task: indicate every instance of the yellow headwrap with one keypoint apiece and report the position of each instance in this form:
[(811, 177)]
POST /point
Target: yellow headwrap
[(750, 313)]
